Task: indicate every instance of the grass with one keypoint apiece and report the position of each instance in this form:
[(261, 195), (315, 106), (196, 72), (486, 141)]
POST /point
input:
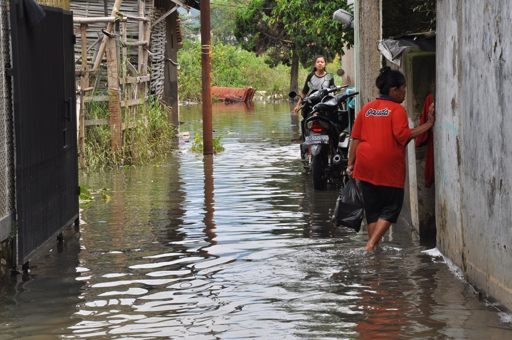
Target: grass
[(148, 138), (198, 146), (235, 67)]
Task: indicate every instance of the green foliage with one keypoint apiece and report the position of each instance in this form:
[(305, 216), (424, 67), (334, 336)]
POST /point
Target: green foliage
[(231, 67), (408, 16), (281, 27), (223, 17), (148, 137), (85, 196), (197, 144)]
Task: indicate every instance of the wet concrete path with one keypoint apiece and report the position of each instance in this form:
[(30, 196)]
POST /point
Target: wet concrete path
[(235, 246)]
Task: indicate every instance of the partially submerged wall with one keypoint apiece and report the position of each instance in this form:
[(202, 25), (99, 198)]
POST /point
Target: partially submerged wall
[(473, 141), (6, 204), (6, 177)]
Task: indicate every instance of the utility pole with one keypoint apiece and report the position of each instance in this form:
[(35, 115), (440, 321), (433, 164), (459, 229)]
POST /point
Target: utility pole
[(206, 77)]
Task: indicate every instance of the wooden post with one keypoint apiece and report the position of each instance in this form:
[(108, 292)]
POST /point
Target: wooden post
[(141, 38), (170, 91), (84, 83), (206, 55), (114, 101), (124, 57), (110, 27), (141, 66)]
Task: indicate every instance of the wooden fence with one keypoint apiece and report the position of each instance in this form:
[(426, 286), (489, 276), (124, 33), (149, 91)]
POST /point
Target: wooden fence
[(119, 53)]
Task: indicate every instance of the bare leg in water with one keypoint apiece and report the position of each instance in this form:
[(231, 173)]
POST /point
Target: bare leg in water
[(375, 232), (371, 229)]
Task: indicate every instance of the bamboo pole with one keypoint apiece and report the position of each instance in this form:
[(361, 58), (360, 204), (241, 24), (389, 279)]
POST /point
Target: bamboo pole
[(110, 27), (96, 20), (165, 15), (114, 101), (140, 62), (124, 60), (141, 43), (145, 57)]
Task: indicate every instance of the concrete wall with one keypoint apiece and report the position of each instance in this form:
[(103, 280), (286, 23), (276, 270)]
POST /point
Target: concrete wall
[(367, 15), (474, 141), (6, 180), (6, 168), (348, 65)]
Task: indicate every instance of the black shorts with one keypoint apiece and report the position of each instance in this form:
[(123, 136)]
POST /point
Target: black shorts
[(381, 202)]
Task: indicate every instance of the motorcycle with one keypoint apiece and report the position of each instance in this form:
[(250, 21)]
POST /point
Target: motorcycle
[(326, 127)]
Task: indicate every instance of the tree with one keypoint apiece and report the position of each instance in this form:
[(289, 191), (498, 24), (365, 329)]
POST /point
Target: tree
[(223, 14), (292, 31)]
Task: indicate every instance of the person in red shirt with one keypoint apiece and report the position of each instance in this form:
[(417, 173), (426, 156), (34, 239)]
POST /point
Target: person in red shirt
[(377, 153)]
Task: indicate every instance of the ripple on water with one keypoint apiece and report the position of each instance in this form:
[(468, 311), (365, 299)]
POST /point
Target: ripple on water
[(240, 248)]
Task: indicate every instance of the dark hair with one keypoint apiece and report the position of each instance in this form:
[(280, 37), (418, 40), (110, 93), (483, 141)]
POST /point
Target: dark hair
[(389, 78), (316, 58)]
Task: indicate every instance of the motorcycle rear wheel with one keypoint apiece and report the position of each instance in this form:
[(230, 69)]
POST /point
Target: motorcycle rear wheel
[(318, 165)]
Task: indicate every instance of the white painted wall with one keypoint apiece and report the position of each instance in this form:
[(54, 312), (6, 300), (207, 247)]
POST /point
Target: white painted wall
[(474, 141), (367, 56)]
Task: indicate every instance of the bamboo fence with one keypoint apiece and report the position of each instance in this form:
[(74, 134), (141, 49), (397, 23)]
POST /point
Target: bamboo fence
[(113, 53)]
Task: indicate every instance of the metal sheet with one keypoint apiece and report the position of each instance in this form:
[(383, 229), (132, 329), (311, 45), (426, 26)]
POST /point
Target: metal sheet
[(44, 126)]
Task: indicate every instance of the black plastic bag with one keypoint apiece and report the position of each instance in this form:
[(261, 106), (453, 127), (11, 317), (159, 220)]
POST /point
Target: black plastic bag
[(349, 210)]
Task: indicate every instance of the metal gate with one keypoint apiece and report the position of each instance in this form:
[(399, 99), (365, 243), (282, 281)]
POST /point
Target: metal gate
[(46, 184)]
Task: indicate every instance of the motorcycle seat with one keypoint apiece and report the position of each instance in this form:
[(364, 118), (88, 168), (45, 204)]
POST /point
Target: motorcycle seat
[(327, 105)]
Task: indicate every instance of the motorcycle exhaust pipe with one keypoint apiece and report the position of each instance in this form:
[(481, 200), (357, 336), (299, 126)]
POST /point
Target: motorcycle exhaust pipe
[(336, 159)]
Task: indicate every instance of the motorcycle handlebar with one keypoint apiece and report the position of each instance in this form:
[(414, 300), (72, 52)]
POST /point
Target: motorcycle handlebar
[(336, 88), (351, 94)]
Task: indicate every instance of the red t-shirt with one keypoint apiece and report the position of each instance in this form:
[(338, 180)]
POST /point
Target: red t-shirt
[(383, 131)]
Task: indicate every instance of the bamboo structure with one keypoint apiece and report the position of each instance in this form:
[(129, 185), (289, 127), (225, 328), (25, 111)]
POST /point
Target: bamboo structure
[(115, 48)]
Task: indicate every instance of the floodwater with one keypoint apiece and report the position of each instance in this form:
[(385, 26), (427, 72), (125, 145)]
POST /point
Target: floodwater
[(232, 247)]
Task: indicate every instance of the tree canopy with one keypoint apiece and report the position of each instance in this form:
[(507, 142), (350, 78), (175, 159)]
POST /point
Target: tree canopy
[(280, 28)]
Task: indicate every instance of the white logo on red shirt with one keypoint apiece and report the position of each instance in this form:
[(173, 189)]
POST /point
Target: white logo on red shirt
[(377, 113)]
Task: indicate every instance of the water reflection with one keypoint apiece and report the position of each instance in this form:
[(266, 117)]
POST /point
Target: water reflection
[(43, 301), (209, 200), (221, 107), (237, 245)]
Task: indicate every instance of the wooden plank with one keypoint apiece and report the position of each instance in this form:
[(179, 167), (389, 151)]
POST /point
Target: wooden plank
[(165, 15), (137, 80), (136, 18), (101, 122), (95, 8), (124, 103), (95, 122), (110, 27), (140, 43), (89, 99), (177, 2)]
